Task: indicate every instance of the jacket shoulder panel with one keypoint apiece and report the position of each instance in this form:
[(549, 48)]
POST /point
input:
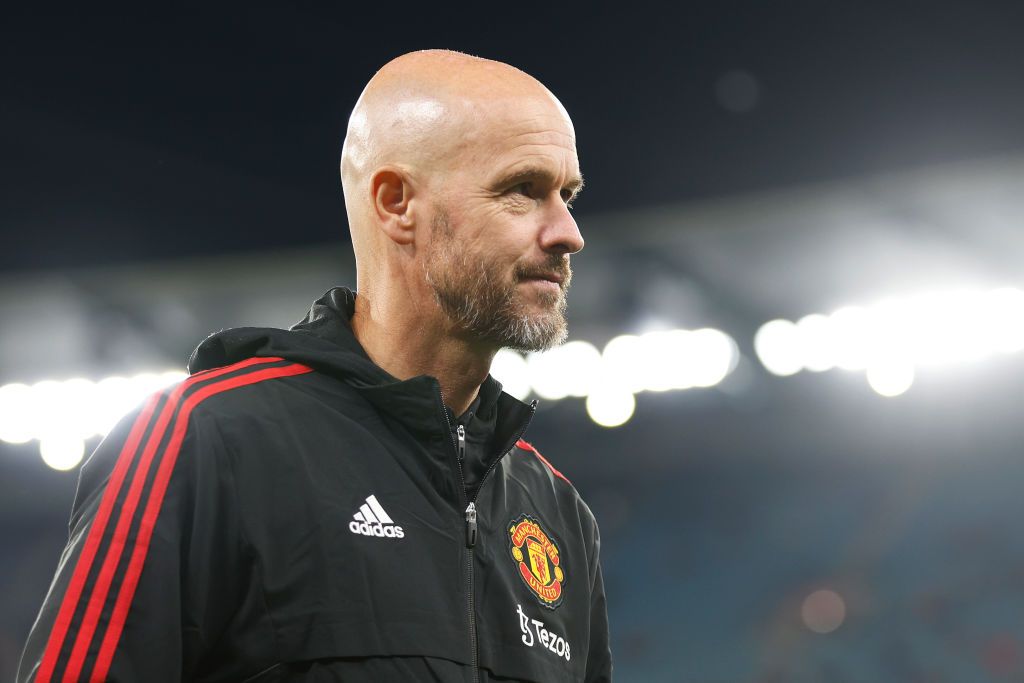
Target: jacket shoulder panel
[(527, 446), (119, 516)]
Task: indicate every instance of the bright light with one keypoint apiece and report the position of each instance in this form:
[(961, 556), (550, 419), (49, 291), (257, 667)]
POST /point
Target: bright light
[(898, 335), (609, 406), (816, 344), (890, 378), (61, 415), (851, 328), (46, 411), (662, 362), (1005, 309), (509, 368), (668, 359), (580, 364), (823, 611), (619, 362), (114, 396), (714, 355), (15, 413), (62, 452), (544, 371), (777, 344), (942, 327), (672, 360), (70, 401)]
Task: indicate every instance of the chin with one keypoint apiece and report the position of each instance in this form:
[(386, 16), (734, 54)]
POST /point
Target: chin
[(544, 299)]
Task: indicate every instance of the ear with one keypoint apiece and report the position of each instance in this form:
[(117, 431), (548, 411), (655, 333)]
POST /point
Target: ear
[(392, 201)]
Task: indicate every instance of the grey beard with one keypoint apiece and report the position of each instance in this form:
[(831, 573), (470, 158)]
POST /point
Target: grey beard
[(469, 295)]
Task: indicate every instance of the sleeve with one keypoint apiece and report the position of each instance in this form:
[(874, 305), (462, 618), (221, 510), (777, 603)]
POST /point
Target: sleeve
[(138, 594), (599, 657)]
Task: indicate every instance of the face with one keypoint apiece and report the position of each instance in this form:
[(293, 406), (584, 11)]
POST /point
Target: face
[(501, 235)]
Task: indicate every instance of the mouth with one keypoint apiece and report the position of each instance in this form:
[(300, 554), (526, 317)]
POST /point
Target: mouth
[(545, 277)]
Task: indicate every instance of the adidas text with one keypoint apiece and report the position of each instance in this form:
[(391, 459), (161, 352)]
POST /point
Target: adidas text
[(389, 531), (371, 520)]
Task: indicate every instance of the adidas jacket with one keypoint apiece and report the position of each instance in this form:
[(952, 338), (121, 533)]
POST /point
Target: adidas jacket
[(292, 513)]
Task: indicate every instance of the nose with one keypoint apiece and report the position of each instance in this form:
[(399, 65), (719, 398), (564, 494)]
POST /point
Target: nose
[(560, 234)]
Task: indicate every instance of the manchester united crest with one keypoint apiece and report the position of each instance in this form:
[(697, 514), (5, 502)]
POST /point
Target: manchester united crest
[(539, 560)]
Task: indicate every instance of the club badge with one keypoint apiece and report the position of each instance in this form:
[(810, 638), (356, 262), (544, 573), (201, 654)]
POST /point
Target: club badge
[(539, 560)]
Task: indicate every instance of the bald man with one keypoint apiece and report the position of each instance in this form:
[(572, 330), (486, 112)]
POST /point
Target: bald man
[(352, 499)]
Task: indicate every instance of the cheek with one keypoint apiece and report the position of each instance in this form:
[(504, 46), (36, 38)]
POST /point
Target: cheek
[(495, 238)]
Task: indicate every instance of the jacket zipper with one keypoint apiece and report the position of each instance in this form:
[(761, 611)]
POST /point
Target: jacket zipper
[(459, 442)]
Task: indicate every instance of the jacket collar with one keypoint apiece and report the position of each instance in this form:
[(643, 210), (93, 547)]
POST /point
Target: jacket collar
[(324, 341), (416, 402)]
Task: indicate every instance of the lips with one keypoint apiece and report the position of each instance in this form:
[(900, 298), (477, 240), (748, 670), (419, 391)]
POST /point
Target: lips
[(550, 277), (554, 270)]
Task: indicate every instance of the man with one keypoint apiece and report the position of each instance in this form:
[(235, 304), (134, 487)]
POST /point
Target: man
[(351, 499)]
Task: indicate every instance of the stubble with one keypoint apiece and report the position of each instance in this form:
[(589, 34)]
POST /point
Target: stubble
[(475, 297)]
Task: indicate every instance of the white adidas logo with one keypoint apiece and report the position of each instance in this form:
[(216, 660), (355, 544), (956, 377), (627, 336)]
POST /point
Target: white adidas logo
[(371, 520)]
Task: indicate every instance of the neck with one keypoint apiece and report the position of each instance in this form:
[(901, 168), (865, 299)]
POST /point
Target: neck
[(409, 341)]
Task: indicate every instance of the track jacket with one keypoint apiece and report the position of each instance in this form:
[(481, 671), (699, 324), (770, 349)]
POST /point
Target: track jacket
[(291, 512)]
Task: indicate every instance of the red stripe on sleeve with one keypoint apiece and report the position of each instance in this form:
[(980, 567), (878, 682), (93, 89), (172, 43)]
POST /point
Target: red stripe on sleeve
[(92, 542), (529, 447), (152, 511), (72, 597)]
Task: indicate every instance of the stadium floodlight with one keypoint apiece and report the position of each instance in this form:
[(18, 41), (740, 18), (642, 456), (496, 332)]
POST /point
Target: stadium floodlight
[(565, 370), (851, 337), (890, 378), (1004, 308), (714, 355), (114, 397), (816, 342), (16, 413), (610, 406), (62, 452), (62, 415), (896, 336), (510, 368), (663, 361), (656, 361), (581, 362), (777, 344), (619, 361)]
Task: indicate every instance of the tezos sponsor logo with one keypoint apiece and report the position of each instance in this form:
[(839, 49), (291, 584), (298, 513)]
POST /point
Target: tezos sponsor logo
[(534, 633)]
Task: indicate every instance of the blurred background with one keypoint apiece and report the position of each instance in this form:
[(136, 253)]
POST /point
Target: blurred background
[(792, 394)]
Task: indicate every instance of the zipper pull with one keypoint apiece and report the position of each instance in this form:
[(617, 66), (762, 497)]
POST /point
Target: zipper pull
[(461, 433), (471, 525)]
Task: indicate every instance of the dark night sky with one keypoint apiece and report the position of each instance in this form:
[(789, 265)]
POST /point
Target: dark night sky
[(148, 134)]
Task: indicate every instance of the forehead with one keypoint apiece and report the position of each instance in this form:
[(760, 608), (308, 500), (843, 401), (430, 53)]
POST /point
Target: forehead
[(514, 131)]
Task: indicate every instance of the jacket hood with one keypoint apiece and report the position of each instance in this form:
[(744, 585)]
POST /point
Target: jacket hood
[(323, 340)]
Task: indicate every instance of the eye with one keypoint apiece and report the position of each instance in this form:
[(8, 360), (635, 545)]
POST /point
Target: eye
[(523, 189), (568, 196)]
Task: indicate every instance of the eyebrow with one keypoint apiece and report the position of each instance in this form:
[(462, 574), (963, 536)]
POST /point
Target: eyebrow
[(522, 174)]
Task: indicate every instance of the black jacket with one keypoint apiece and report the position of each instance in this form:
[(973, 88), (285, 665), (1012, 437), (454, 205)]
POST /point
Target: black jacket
[(292, 512)]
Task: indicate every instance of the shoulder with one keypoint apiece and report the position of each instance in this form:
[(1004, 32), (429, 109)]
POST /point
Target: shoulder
[(252, 378), (186, 417), (539, 474), (528, 450), (555, 498)]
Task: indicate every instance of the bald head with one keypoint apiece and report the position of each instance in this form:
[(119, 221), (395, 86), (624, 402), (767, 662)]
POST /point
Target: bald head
[(420, 115)]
